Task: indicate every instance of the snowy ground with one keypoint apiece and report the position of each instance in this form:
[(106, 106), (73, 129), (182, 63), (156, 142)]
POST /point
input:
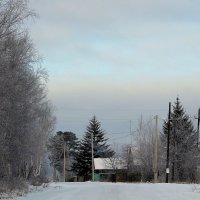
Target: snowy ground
[(116, 191)]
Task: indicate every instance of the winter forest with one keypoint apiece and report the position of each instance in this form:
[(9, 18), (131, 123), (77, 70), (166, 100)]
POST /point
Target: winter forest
[(26, 117), (32, 152)]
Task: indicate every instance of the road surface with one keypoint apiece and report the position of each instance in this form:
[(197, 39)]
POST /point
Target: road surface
[(116, 191)]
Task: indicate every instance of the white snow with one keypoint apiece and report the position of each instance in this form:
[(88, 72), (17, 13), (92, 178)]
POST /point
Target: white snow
[(116, 191)]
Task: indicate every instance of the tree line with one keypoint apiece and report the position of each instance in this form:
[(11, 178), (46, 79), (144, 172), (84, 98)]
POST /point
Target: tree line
[(184, 158), (26, 117), (184, 151)]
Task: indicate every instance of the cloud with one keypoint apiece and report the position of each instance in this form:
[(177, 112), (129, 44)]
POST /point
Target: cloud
[(80, 99), (98, 11), (118, 34), (110, 55)]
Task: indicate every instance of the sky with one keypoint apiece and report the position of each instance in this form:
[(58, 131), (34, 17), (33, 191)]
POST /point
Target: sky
[(118, 60)]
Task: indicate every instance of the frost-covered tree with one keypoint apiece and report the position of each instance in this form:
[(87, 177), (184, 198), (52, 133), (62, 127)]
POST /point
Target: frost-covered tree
[(25, 113), (183, 145), (83, 158), (56, 145), (143, 151)]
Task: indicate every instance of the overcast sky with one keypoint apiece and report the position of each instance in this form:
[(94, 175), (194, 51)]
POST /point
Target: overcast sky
[(118, 59)]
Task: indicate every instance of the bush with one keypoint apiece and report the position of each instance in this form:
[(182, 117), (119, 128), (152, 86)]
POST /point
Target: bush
[(10, 184), (38, 180)]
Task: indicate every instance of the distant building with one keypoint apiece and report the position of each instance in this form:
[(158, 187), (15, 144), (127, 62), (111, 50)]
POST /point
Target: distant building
[(110, 169)]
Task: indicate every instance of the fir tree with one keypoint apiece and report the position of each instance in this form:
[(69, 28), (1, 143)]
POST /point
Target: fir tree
[(183, 148), (83, 164)]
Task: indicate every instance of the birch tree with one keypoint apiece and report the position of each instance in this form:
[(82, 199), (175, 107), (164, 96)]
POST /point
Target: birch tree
[(26, 117)]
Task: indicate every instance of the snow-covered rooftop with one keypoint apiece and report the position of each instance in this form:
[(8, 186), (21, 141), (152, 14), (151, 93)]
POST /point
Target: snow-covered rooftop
[(109, 163)]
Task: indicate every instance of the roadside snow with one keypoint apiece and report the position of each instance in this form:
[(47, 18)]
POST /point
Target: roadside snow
[(115, 191)]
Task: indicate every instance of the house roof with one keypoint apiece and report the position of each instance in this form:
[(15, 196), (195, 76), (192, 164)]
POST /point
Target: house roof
[(109, 163)]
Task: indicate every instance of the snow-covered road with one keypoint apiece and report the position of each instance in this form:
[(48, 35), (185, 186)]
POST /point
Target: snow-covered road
[(115, 191)]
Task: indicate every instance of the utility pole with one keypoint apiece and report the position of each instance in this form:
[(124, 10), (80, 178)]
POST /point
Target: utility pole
[(64, 163), (156, 151), (92, 146), (131, 133), (198, 128), (168, 138)]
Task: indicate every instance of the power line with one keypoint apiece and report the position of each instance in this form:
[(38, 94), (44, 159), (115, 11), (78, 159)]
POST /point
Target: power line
[(122, 137), (119, 133)]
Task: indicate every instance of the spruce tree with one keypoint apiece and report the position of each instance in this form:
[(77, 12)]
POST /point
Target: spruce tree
[(83, 164), (183, 145)]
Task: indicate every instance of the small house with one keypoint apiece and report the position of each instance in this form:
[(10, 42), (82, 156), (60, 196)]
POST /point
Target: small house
[(110, 169)]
